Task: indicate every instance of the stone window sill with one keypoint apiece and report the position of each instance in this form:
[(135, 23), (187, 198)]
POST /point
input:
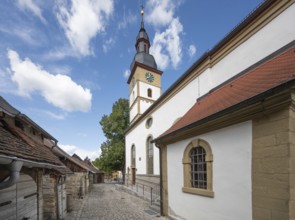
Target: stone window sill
[(200, 192)]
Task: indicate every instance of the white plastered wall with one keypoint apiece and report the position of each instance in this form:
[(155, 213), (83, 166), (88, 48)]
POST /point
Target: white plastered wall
[(278, 33), (156, 91), (231, 148)]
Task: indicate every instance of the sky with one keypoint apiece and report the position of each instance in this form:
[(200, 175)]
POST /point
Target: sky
[(63, 63)]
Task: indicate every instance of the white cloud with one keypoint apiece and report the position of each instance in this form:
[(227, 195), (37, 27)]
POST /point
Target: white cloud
[(25, 33), (166, 46), (63, 70), (31, 6), (108, 45), (83, 20), (160, 12), (192, 50), (58, 90), (126, 73), (82, 153)]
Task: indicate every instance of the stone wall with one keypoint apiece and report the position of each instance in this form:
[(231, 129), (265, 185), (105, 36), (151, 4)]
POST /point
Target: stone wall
[(91, 176), (147, 180), (39, 178), (49, 197), (292, 165), (273, 166), (77, 184)]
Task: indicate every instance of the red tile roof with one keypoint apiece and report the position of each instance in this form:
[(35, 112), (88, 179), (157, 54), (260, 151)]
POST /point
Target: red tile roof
[(268, 75)]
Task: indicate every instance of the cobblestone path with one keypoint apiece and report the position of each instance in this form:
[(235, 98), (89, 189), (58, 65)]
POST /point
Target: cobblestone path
[(106, 202)]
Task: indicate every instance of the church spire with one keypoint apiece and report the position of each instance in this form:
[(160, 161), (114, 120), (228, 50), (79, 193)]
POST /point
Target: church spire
[(142, 14), (142, 46)]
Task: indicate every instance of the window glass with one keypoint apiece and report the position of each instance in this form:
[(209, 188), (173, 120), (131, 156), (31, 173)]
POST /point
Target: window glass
[(150, 154)]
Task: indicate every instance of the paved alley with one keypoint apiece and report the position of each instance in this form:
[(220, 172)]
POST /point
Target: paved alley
[(106, 202)]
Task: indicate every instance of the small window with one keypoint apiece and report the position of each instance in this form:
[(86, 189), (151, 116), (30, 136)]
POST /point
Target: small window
[(149, 122), (150, 156), (149, 92), (197, 165), (133, 161), (18, 124), (33, 131), (145, 48)]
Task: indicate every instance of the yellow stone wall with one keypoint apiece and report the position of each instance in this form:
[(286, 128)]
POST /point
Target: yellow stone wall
[(273, 167)]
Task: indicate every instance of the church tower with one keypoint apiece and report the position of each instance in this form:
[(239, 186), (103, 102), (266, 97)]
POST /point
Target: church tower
[(145, 79)]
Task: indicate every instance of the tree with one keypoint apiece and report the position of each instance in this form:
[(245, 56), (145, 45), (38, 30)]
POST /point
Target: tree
[(112, 156)]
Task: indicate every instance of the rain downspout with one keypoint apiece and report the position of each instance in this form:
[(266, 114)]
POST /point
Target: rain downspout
[(14, 168)]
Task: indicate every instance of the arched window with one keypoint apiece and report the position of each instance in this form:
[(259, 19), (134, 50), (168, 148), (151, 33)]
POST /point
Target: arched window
[(197, 165), (149, 92), (133, 156), (150, 156)]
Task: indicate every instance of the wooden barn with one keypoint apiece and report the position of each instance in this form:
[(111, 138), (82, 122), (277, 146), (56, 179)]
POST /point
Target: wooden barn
[(32, 178)]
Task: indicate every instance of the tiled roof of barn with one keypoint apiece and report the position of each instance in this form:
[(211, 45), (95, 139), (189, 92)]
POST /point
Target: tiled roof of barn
[(264, 76), (83, 163), (10, 110), (15, 143)]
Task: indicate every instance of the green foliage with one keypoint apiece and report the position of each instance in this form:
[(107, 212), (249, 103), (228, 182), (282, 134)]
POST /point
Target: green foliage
[(112, 156)]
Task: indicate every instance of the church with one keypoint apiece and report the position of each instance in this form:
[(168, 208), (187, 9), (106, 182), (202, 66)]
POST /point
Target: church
[(220, 141)]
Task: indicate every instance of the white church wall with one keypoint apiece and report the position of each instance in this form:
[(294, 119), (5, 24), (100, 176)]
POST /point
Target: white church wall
[(278, 33), (133, 111), (144, 105), (272, 37), (156, 91), (231, 148), (133, 95), (139, 137)]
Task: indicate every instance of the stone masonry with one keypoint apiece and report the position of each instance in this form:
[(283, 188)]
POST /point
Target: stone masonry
[(273, 166)]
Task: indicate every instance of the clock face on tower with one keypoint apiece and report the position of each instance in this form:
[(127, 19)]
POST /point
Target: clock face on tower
[(149, 77)]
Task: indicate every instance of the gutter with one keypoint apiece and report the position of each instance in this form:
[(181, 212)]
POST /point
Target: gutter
[(14, 166)]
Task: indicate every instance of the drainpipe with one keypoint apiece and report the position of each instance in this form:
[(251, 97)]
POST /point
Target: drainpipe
[(14, 168), (161, 180)]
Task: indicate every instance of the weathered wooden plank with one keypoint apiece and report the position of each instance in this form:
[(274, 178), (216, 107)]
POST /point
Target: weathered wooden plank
[(7, 194), (8, 211), (27, 198)]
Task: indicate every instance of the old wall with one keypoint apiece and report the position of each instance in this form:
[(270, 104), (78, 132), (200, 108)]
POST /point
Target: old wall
[(273, 166), (49, 197), (77, 184), (231, 176)]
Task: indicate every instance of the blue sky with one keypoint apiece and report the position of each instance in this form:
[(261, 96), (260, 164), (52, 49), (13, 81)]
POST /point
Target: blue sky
[(64, 63)]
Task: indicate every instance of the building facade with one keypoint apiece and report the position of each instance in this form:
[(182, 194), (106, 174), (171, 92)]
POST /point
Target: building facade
[(230, 154)]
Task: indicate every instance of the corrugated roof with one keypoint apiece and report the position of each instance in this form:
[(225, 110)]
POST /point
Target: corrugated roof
[(268, 75)]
